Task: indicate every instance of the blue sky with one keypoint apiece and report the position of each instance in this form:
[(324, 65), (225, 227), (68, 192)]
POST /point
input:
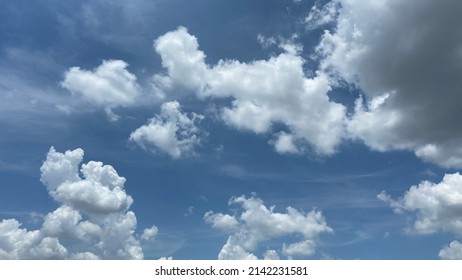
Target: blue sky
[(244, 129)]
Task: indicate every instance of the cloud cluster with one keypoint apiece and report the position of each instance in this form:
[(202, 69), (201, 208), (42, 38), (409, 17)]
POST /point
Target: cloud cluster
[(407, 62), (171, 131), (263, 93), (257, 223), (111, 85), (405, 66), (92, 221), (437, 207)]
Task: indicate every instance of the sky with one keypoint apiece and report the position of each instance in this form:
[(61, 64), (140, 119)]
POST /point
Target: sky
[(263, 129)]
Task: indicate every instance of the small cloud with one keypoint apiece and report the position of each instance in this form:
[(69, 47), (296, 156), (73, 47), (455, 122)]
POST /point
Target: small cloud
[(221, 221), (284, 143), (452, 251), (149, 233), (267, 42), (299, 249), (111, 115), (234, 171), (109, 85), (171, 132), (189, 211)]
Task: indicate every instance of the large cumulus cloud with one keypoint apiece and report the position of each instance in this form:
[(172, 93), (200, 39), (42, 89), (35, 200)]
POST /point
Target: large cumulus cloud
[(406, 58), (92, 221)]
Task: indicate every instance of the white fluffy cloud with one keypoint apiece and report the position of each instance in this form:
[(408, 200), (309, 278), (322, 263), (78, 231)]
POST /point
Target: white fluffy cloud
[(69, 222), (233, 250), (221, 221), (437, 207), (284, 143), (109, 85), (271, 255), (149, 233), (406, 62), (92, 222), (409, 53), (171, 131), (182, 59), (451, 252), (263, 93), (100, 191), (257, 224), (301, 249)]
